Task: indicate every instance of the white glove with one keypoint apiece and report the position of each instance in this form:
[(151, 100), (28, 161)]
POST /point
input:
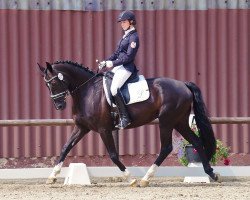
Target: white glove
[(102, 64), (109, 64)]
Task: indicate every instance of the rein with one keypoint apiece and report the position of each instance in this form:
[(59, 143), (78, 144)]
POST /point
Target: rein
[(82, 84)]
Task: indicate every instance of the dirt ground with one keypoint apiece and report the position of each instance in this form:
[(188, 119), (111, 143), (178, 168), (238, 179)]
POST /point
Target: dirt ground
[(111, 188)]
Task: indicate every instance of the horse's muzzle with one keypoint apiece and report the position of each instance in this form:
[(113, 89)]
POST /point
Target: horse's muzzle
[(60, 105)]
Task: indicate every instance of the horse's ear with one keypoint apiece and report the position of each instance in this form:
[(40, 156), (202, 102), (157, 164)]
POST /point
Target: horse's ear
[(42, 69), (49, 67)]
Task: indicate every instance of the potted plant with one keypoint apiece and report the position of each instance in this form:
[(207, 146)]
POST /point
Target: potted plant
[(187, 153)]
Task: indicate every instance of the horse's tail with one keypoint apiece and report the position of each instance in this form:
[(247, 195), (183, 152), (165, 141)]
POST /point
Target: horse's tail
[(202, 121)]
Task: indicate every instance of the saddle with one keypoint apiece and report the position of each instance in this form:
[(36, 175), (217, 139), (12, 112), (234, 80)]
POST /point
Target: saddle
[(134, 90)]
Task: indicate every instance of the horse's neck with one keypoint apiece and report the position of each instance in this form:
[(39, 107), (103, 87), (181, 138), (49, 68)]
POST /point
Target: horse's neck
[(87, 96), (78, 76), (92, 88)]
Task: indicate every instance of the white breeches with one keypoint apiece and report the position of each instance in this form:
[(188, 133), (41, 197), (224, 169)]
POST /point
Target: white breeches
[(120, 77)]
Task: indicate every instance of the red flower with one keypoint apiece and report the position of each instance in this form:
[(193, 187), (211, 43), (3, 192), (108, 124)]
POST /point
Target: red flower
[(226, 161), (194, 150)]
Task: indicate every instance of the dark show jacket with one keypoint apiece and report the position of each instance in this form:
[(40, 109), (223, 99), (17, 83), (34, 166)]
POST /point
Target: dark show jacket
[(126, 51)]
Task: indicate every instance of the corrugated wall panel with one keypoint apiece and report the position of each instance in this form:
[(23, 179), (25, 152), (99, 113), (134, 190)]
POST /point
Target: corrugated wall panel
[(210, 47), (100, 5)]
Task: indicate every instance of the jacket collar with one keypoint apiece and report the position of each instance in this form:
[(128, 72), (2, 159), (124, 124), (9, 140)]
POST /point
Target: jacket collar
[(128, 31)]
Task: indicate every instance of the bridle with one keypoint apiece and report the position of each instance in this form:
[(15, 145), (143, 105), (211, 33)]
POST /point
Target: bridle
[(59, 95), (66, 91)]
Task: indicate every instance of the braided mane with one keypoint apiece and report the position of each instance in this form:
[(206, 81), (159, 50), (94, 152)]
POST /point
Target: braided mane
[(74, 64)]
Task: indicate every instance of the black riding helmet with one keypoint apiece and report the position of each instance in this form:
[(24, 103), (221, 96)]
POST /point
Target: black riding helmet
[(127, 15)]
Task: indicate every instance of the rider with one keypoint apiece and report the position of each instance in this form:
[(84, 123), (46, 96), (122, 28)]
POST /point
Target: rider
[(122, 63)]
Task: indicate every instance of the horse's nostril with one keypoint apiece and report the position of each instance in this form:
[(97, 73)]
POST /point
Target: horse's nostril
[(61, 106)]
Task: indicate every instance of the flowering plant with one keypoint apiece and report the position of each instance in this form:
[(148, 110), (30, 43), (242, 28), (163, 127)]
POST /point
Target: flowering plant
[(222, 152)]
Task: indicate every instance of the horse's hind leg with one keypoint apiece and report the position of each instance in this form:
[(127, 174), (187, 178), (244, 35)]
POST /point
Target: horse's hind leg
[(184, 129), (166, 148), (108, 141)]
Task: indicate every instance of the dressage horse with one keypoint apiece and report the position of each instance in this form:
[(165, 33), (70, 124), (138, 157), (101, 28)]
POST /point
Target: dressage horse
[(170, 101)]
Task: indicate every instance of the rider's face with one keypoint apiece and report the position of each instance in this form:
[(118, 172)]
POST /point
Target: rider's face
[(125, 25)]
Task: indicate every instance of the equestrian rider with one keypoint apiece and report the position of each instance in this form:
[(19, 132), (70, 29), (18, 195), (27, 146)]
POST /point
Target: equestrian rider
[(122, 63)]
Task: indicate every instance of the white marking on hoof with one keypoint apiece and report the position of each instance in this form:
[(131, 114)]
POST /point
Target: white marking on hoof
[(56, 170), (150, 173), (133, 183), (218, 176), (51, 180)]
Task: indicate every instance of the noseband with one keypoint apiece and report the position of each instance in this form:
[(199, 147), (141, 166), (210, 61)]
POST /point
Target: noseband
[(59, 95)]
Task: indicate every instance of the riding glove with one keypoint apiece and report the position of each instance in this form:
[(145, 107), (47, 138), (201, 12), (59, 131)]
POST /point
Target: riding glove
[(102, 64), (109, 64)]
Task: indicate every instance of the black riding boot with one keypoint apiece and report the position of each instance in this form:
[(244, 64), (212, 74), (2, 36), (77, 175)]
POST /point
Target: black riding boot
[(122, 111)]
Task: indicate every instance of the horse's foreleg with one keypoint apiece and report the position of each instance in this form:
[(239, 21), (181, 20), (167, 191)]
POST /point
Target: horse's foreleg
[(56, 170), (110, 145), (127, 176), (76, 136)]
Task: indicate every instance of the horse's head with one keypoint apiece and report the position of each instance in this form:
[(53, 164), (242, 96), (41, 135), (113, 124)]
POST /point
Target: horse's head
[(57, 85)]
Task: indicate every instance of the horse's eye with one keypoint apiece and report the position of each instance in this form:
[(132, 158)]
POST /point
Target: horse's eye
[(53, 81)]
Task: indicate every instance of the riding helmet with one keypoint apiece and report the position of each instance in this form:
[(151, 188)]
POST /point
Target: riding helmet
[(127, 15)]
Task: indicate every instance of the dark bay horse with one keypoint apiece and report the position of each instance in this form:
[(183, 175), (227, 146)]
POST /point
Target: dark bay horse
[(170, 101)]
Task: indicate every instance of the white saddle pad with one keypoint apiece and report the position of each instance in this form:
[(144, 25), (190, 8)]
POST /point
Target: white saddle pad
[(138, 91)]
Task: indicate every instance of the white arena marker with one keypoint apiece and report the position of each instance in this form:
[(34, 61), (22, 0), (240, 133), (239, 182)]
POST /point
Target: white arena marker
[(196, 179), (77, 175)]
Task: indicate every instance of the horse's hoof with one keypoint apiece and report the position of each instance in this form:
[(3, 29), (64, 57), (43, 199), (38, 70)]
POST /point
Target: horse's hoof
[(217, 177), (133, 183), (51, 181), (144, 183)]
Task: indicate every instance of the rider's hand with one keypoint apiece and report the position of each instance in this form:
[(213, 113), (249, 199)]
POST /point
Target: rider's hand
[(109, 64), (102, 64)]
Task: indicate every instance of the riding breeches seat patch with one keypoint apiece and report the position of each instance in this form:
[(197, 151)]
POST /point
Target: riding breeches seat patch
[(134, 90)]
